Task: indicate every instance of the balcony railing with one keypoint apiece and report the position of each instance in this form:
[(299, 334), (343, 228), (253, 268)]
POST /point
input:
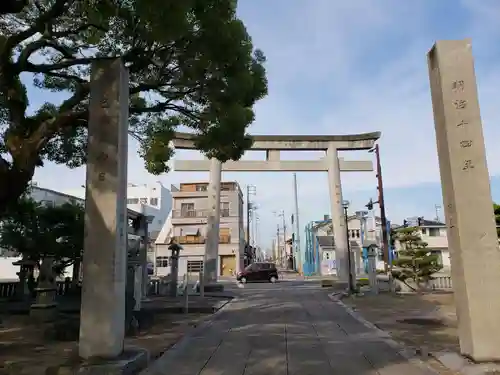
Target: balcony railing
[(181, 214), (184, 240), (224, 238), (177, 214)]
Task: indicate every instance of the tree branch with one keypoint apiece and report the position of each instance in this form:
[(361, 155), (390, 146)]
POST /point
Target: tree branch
[(55, 11), (67, 33), (45, 68), (31, 48)]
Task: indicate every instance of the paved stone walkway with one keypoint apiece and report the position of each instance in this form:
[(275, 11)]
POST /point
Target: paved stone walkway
[(284, 330)]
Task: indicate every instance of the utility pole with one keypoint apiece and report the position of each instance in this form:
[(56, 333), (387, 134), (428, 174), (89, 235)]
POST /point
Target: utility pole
[(278, 247), (383, 218), (282, 215), (297, 226), (251, 190), (285, 265)]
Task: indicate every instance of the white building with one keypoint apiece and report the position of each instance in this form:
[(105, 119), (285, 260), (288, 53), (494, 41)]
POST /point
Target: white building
[(153, 200), (50, 198), (187, 226), (359, 230)]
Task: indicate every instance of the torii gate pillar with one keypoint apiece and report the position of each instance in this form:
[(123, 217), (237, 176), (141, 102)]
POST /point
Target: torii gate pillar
[(211, 256), (338, 217)]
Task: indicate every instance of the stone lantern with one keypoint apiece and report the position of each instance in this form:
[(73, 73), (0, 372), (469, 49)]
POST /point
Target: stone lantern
[(26, 277), (174, 267)]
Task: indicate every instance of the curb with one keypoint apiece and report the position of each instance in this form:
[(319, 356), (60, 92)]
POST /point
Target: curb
[(407, 353), (158, 366)]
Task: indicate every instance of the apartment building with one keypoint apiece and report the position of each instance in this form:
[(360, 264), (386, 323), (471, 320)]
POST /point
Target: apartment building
[(187, 226)]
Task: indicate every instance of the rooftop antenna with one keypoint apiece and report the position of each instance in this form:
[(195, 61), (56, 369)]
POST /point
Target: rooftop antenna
[(437, 207)]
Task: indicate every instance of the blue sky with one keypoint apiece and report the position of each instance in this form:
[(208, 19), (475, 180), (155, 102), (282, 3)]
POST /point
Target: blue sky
[(339, 67)]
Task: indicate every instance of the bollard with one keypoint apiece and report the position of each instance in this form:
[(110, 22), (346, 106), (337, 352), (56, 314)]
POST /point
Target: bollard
[(202, 285), (186, 293)]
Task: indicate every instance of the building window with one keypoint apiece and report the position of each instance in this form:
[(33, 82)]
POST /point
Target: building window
[(224, 209), (434, 232), (48, 203), (132, 201), (161, 261), (357, 233), (194, 266), (439, 255), (201, 187), (144, 200), (153, 201), (187, 209), (424, 231)]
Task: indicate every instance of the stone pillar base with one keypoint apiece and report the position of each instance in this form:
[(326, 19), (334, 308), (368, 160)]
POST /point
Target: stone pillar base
[(43, 312), (131, 361), (213, 288)]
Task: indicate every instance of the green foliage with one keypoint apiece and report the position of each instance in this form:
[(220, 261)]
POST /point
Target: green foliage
[(415, 262), (192, 66), (496, 209), (36, 231)]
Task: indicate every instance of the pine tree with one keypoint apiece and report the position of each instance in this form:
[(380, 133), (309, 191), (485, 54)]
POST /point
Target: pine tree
[(415, 264), (496, 209)]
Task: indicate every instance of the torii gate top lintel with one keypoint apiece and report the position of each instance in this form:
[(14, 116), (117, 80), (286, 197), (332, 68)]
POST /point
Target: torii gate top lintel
[(364, 141)]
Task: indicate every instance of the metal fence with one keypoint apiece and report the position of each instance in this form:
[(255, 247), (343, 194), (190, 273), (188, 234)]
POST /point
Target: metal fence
[(8, 288)]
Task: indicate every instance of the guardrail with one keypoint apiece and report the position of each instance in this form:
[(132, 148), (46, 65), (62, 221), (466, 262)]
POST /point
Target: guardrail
[(441, 282)]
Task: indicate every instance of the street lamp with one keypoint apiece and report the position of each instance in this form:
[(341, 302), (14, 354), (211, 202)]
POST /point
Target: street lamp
[(345, 204)]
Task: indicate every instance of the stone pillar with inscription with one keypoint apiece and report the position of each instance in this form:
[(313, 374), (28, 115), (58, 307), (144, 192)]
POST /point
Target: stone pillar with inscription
[(105, 247), (212, 234), (472, 238), (338, 217)]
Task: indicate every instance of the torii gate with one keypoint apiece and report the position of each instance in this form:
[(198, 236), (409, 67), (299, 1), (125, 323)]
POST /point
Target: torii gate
[(273, 144)]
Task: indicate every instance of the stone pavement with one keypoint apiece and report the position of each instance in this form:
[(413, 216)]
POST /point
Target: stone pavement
[(283, 329)]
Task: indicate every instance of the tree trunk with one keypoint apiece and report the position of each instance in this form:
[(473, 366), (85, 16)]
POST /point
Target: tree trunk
[(13, 183)]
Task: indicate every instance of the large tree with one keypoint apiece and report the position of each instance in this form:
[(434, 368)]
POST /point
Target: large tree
[(191, 63)]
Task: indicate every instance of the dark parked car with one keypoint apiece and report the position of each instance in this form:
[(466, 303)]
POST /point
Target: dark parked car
[(256, 272)]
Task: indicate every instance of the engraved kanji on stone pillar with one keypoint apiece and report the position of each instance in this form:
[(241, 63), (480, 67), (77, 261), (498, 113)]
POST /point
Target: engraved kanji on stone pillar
[(472, 238), (105, 247)]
